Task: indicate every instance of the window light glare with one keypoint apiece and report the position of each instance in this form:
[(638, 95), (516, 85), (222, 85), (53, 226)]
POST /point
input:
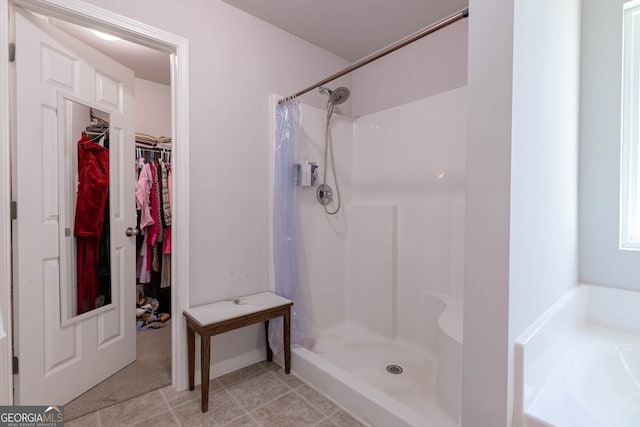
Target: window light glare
[(104, 36), (630, 163)]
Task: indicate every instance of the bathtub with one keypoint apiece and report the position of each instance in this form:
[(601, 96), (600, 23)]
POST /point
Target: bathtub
[(579, 364), (348, 365)]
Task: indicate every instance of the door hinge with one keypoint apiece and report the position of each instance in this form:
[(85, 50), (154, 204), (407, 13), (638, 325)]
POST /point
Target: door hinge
[(12, 52), (15, 365), (14, 209)]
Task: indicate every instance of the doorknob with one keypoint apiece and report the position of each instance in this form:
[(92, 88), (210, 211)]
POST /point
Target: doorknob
[(132, 231)]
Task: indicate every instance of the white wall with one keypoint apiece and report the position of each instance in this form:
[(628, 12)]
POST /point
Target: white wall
[(521, 186), (325, 236), (601, 260), (400, 174), (236, 62), (408, 172), (488, 169), (400, 153), (370, 267), (544, 160), (544, 157), (153, 108), (432, 65)]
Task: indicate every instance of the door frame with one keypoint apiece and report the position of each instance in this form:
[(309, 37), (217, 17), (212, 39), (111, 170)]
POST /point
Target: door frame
[(82, 13)]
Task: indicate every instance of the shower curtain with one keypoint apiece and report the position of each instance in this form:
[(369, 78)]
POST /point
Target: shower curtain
[(290, 269)]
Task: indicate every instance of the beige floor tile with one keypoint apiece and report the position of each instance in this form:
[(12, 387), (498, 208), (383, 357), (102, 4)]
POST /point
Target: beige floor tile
[(175, 398), (342, 419), (243, 421), (257, 390), (269, 366), (222, 409), (241, 374), (254, 388), (134, 410), (289, 410), (317, 400), (289, 379), (89, 420), (163, 419)]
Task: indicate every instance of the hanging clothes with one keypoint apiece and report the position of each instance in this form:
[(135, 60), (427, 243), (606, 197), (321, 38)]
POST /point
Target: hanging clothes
[(156, 230), (143, 273), (93, 189), (166, 204), (153, 200), (104, 261), (145, 180), (104, 253), (165, 280)]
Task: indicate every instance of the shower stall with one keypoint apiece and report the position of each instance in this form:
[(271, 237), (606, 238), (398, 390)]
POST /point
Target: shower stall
[(374, 255), (385, 271)]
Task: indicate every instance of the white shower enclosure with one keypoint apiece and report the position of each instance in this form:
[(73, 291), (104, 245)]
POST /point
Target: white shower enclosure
[(384, 269)]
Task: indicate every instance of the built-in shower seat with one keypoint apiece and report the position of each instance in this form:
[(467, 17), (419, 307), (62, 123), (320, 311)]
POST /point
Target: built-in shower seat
[(223, 316)]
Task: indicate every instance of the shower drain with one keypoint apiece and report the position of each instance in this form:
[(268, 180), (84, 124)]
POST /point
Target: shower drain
[(394, 369)]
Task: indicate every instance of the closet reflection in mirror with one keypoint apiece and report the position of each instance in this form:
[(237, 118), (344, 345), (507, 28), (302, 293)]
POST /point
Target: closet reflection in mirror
[(85, 264)]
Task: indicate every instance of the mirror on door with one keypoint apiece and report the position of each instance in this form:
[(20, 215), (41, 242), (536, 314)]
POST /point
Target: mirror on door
[(85, 263)]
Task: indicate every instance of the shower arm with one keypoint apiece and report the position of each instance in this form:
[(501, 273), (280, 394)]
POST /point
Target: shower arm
[(383, 52)]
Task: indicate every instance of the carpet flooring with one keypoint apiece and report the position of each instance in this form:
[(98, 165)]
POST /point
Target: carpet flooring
[(150, 371)]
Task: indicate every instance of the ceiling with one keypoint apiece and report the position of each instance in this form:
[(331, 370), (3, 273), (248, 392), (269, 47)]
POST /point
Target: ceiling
[(147, 63), (351, 29)]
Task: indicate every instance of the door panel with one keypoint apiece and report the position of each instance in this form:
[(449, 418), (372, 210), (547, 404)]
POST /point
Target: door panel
[(61, 360)]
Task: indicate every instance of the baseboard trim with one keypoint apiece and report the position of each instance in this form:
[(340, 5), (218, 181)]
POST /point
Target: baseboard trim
[(234, 363)]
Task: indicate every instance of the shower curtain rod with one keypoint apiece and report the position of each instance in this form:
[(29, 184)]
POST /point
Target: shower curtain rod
[(385, 51)]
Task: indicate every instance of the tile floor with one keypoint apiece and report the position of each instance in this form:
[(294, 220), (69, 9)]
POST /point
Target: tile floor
[(260, 395)]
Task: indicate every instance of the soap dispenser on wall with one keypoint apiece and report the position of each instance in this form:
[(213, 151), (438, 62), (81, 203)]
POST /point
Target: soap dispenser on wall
[(308, 174)]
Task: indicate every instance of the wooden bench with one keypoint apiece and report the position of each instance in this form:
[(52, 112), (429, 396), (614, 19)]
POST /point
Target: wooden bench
[(218, 317)]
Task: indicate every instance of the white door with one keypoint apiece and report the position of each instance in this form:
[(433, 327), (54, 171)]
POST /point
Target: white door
[(62, 357)]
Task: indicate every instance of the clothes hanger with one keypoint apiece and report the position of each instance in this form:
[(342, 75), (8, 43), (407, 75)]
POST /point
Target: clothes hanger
[(96, 136)]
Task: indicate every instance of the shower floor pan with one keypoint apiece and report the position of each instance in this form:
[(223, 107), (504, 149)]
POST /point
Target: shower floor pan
[(349, 365)]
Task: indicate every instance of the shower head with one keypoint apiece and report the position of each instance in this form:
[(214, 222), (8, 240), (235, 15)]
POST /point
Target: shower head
[(339, 95), (336, 96)]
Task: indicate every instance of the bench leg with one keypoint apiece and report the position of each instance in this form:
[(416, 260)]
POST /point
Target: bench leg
[(287, 341), (205, 355), (191, 355), (266, 334)]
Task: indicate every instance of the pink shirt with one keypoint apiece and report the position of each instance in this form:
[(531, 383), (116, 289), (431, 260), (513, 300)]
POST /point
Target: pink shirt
[(143, 187)]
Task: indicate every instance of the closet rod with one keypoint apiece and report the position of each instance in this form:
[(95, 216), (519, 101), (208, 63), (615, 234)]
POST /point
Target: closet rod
[(383, 52), (152, 147)]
